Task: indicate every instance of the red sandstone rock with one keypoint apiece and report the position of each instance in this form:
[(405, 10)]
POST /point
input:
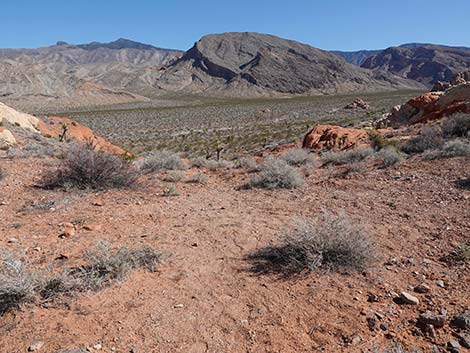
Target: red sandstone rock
[(330, 136)]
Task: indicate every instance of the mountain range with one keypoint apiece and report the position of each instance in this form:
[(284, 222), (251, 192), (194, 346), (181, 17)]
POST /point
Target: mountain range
[(229, 64)]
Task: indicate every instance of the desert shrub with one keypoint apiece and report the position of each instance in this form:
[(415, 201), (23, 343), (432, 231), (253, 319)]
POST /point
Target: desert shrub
[(103, 267), (211, 164), (454, 148), (249, 164), (84, 167), (276, 173), (329, 242), (463, 252), (378, 142), (348, 169), (174, 176), (388, 156), (457, 125), (429, 138), (160, 160), (198, 178), (170, 191), (18, 284), (345, 157), (298, 156)]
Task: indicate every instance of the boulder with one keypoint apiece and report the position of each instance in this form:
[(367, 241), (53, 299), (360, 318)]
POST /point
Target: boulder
[(335, 137), (19, 119), (55, 126), (358, 104), (6, 139), (430, 106)]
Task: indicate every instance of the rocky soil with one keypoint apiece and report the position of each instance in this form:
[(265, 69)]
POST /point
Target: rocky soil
[(205, 297)]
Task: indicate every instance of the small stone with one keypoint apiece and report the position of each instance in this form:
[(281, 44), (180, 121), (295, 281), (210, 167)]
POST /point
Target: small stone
[(35, 346), (384, 327), (453, 344), (98, 347), (462, 321), (379, 316), (92, 227), (430, 330), (422, 288), (464, 340), (372, 323), (408, 298), (429, 318), (373, 298), (356, 340), (69, 230), (178, 306), (98, 203), (440, 283), (13, 240), (37, 248)]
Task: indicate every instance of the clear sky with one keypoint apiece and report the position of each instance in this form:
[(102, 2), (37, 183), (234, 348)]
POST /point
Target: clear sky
[(327, 24)]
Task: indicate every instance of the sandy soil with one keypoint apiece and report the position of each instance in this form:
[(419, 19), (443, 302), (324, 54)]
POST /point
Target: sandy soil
[(204, 298)]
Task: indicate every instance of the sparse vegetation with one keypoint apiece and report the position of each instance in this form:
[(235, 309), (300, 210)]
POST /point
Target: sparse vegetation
[(170, 191), (198, 178), (429, 138), (453, 148), (463, 252), (345, 157), (457, 125), (249, 164), (276, 173), (388, 156), (332, 243), (160, 160), (84, 167), (298, 157), (212, 164), (174, 176), (20, 285), (379, 142)]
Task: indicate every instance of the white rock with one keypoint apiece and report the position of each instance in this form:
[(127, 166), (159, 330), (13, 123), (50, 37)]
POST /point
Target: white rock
[(408, 298)]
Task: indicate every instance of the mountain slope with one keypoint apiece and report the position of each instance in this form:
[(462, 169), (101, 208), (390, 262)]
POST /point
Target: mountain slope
[(241, 64), (355, 57), (95, 73), (425, 63)]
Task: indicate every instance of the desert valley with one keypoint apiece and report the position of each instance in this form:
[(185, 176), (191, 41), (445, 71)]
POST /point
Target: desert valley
[(249, 194)]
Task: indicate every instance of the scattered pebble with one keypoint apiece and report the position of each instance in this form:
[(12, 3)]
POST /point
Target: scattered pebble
[(440, 283), (408, 298), (35, 346), (422, 288)]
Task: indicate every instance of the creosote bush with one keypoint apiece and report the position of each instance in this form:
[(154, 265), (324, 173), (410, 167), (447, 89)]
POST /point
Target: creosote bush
[(345, 157), (160, 160), (330, 242), (429, 138), (298, 157), (84, 167), (276, 173), (20, 285)]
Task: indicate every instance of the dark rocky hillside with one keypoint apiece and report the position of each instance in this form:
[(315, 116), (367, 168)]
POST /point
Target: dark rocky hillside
[(242, 64), (426, 63)]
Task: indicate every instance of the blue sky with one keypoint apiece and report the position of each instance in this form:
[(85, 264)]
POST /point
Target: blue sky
[(327, 24)]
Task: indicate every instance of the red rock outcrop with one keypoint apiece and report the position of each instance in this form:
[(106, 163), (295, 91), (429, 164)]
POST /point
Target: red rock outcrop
[(54, 127), (430, 106), (335, 137), (358, 103)]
